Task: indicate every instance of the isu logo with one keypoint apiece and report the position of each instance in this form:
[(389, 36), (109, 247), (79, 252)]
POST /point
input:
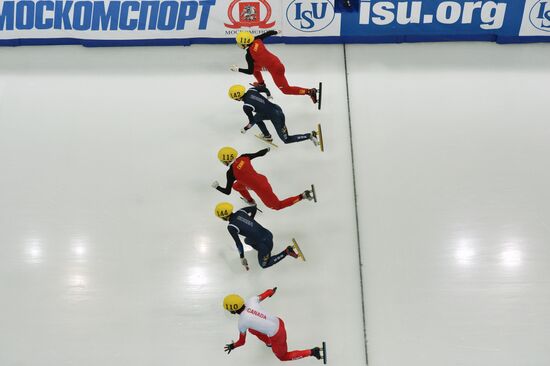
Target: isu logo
[(540, 15), (249, 14), (310, 16)]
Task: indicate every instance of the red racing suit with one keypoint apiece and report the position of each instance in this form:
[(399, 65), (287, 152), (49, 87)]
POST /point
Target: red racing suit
[(242, 177), (259, 58), (278, 340)]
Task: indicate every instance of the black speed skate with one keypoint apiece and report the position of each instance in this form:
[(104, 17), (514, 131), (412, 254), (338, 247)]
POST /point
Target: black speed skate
[(313, 137), (258, 85), (320, 96), (310, 194), (313, 95), (296, 248), (251, 203), (290, 251), (319, 135), (266, 138), (320, 353), (261, 88), (316, 95), (307, 195)]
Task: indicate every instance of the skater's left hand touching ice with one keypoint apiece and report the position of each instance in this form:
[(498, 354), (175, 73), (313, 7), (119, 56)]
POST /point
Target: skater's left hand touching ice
[(246, 128), (229, 347)]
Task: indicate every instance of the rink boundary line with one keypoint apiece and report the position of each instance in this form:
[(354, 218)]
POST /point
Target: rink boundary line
[(358, 234)]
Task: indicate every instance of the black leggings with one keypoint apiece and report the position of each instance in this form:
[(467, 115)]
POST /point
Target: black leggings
[(264, 247), (278, 120)]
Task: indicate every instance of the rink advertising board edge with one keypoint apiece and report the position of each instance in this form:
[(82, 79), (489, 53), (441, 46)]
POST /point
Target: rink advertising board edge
[(172, 23)]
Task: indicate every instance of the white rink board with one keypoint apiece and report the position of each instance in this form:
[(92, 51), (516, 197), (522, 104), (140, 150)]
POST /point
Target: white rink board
[(111, 254), (452, 143)]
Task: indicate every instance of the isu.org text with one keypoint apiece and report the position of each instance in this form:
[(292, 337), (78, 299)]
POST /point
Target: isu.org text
[(488, 14)]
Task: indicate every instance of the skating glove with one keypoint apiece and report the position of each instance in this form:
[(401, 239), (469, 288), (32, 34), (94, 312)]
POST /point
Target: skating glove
[(229, 347), (246, 128), (234, 68), (267, 293), (215, 184)]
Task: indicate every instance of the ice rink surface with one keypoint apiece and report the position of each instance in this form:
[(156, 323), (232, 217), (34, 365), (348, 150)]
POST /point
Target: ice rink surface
[(452, 145), (111, 253)]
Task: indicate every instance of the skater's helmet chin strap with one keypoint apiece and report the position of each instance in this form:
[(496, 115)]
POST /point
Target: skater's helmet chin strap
[(238, 311)]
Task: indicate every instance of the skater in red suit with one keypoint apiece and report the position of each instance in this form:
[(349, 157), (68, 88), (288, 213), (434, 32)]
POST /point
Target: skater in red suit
[(241, 176), (268, 328), (258, 58)]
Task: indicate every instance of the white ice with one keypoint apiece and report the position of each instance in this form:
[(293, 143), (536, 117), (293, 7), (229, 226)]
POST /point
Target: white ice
[(452, 144), (111, 254)]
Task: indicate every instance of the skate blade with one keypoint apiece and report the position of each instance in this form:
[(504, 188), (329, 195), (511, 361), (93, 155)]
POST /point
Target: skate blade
[(267, 142), (324, 353), (320, 96), (320, 136), (249, 204), (298, 249), (314, 194)]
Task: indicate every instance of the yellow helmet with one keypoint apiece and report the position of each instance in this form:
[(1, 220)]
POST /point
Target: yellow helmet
[(236, 92), (227, 154), (244, 39), (233, 302), (223, 209)]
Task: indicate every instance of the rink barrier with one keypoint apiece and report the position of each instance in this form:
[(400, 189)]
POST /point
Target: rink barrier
[(102, 23)]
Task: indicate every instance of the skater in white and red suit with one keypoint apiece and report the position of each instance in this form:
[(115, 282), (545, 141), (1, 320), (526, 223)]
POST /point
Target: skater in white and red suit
[(268, 328)]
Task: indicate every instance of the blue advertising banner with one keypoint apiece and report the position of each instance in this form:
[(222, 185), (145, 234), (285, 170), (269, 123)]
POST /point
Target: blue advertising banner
[(429, 20), (171, 22)]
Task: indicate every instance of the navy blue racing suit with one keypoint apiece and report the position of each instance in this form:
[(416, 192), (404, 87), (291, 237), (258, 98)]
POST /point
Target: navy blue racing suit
[(242, 223), (258, 109)]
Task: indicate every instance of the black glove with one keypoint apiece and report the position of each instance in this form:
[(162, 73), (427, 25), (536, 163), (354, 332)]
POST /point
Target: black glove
[(229, 347), (274, 290), (246, 128)]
